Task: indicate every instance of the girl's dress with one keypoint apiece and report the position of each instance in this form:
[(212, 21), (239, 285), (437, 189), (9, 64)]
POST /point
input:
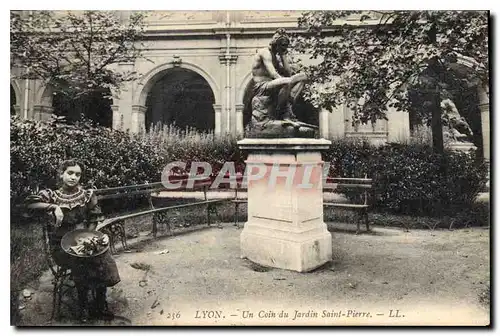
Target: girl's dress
[(78, 208)]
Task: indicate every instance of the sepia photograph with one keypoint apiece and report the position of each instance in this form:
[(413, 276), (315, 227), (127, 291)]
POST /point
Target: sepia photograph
[(250, 168)]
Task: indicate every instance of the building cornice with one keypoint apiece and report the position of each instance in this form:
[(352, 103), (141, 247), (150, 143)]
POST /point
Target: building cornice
[(167, 31)]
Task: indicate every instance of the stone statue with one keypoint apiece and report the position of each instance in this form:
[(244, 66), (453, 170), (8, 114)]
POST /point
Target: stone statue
[(458, 129), (275, 89)]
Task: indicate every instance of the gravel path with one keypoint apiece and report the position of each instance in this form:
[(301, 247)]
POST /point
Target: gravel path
[(386, 277)]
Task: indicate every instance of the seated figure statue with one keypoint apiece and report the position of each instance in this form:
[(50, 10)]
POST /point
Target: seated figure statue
[(458, 129), (275, 89)]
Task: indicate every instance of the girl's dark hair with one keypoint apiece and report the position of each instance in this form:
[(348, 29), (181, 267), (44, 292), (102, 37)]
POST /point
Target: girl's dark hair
[(70, 163)]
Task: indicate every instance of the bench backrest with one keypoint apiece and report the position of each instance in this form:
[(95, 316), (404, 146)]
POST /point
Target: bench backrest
[(151, 189), (330, 184), (118, 192), (360, 186)]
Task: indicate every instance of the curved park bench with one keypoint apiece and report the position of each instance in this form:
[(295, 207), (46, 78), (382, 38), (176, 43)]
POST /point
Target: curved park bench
[(115, 227), (359, 186)]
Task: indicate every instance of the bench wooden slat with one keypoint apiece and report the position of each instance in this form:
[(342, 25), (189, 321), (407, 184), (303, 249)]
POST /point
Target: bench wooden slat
[(349, 179), (130, 187), (353, 186), (345, 205), (119, 193), (147, 212), (124, 194)]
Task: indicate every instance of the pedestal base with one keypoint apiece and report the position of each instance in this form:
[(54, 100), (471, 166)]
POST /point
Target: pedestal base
[(462, 146), (296, 252), (285, 227)]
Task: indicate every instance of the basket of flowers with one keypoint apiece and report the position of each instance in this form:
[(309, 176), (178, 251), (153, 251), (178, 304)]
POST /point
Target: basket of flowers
[(82, 243)]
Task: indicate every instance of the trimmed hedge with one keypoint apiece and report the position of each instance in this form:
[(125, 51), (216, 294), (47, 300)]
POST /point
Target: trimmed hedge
[(111, 158), (412, 179), (408, 179)]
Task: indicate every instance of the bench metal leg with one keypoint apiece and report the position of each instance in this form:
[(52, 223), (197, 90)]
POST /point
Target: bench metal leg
[(236, 206), (155, 225), (215, 212), (112, 243), (365, 217), (55, 300), (111, 236), (362, 217), (161, 219), (58, 292), (121, 227), (208, 214)]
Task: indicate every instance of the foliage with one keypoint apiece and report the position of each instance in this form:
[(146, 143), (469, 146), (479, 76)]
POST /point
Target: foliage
[(189, 145), (371, 62), (377, 60), (78, 54), (407, 178), (474, 216), (76, 51), (111, 158), (412, 179), (27, 260)]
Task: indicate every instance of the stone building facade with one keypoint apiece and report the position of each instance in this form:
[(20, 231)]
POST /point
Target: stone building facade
[(218, 47)]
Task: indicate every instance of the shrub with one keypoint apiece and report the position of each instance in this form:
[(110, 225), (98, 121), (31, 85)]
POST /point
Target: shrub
[(411, 179), (111, 158), (189, 146)]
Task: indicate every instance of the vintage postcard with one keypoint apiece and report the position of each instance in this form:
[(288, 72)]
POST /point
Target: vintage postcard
[(250, 168)]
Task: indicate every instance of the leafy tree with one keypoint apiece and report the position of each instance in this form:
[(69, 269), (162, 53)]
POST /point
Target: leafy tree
[(77, 52), (376, 60)]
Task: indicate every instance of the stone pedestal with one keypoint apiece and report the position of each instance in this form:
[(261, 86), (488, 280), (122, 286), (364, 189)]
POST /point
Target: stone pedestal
[(462, 146), (285, 227)]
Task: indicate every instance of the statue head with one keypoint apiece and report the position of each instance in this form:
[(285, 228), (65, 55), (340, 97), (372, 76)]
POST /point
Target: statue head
[(280, 41)]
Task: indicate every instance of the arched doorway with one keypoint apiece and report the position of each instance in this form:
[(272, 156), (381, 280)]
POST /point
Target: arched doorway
[(95, 106), (183, 98)]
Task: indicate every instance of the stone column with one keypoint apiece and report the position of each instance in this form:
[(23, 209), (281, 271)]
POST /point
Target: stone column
[(484, 108), (337, 120), (125, 100), (398, 125), (239, 120), (228, 110), (324, 117), (138, 121), (234, 128), (27, 99), (117, 118), (42, 113), (285, 227), (218, 119)]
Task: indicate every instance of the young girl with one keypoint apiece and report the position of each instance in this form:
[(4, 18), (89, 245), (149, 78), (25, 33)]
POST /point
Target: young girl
[(73, 208)]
